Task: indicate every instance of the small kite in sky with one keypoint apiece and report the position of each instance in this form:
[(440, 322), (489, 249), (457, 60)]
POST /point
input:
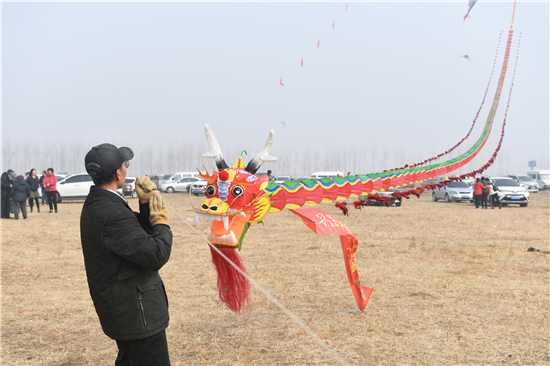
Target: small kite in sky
[(281, 81), (318, 42), (465, 56), (346, 6), (302, 63), (283, 123), (333, 24), (471, 5)]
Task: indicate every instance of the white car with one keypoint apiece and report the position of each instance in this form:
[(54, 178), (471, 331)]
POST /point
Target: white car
[(511, 192), (76, 187), (179, 185)]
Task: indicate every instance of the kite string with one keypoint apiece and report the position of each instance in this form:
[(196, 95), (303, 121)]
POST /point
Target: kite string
[(312, 334)]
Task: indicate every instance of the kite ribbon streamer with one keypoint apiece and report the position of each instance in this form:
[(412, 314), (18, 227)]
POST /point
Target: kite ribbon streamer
[(321, 223)]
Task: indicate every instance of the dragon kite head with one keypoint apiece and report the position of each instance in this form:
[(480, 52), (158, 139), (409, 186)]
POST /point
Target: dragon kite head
[(235, 196)]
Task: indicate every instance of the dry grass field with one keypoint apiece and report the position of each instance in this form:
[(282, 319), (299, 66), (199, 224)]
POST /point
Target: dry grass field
[(452, 285)]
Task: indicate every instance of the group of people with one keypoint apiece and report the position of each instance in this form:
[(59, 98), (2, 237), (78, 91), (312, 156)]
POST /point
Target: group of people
[(486, 190), (17, 190)]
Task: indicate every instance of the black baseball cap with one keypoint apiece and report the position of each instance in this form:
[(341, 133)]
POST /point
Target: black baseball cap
[(107, 158)]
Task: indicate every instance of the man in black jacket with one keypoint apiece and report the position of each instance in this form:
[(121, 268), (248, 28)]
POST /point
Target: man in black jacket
[(123, 251), (6, 184)]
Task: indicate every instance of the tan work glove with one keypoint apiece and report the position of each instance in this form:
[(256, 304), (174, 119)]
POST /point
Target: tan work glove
[(158, 213), (144, 188)]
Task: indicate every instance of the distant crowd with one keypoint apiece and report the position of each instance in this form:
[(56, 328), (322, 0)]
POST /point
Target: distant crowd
[(17, 190)]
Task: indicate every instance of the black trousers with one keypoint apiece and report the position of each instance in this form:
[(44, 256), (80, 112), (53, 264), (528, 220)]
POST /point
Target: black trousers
[(52, 198), (495, 200), (477, 199), (5, 205), (151, 351), (484, 197), (32, 204)]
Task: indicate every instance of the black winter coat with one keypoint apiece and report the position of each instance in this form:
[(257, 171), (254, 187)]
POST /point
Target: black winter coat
[(122, 254), (20, 191), (33, 183), (6, 181)]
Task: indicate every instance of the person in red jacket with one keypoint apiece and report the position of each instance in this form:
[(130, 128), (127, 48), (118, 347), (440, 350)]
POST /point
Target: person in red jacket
[(478, 191), (50, 182)]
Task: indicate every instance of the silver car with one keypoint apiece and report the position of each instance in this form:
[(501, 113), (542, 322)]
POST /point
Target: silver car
[(178, 186), (526, 181), (455, 191)]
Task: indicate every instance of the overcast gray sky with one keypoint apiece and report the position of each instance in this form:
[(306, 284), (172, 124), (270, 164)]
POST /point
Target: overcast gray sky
[(387, 75)]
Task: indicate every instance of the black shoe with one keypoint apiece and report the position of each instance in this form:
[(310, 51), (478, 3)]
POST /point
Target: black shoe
[(51, 211), (55, 211), (31, 209)]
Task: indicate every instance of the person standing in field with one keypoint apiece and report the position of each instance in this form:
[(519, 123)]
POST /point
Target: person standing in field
[(270, 176), (485, 195), (495, 200), (42, 188), (7, 182), (34, 185), (50, 182), (123, 252), (478, 192), (19, 193)]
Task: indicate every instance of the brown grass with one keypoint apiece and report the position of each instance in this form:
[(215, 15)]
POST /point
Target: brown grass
[(452, 285)]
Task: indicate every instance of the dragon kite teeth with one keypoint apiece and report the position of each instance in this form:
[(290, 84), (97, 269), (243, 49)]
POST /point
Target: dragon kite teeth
[(199, 217)]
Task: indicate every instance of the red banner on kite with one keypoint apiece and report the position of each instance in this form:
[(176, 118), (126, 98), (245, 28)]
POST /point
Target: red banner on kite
[(323, 223)]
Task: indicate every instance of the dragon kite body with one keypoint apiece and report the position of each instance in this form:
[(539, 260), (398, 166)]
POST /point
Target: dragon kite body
[(236, 197)]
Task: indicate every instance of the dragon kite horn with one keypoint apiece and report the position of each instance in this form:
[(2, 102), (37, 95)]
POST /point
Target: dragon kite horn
[(263, 156), (215, 150)]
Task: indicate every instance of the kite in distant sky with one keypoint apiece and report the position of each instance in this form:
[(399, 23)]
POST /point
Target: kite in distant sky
[(465, 56), (302, 63), (333, 24), (283, 123), (346, 6), (318, 42), (471, 5), (281, 81)]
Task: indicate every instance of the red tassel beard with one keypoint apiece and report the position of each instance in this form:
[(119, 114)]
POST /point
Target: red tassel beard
[(233, 287)]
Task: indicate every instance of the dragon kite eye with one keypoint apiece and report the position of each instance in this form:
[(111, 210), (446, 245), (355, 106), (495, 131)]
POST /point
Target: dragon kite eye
[(204, 206), (214, 208), (210, 190), (237, 191)]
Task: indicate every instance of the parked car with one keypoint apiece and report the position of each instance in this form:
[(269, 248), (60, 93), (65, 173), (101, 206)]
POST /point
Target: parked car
[(172, 178), (387, 193), (526, 181), (178, 186), (155, 178), (318, 175), (76, 187), (282, 178), (197, 188), (129, 188), (455, 191), (541, 175), (511, 192)]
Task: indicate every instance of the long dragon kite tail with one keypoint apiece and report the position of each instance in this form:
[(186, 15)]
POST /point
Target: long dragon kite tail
[(233, 287), (293, 195)]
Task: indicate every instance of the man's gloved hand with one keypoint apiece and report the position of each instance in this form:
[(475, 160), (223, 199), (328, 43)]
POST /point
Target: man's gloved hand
[(144, 188), (158, 213)]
